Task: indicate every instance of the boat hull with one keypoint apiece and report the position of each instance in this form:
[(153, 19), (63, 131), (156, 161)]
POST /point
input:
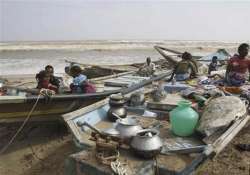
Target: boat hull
[(179, 163), (51, 110)]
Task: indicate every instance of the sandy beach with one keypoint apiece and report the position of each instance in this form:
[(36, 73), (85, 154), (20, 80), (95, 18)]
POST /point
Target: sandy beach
[(37, 152)]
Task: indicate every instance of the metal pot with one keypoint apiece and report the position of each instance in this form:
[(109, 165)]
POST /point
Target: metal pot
[(137, 99), (116, 100), (127, 127), (116, 103), (146, 143), (118, 111), (158, 94)]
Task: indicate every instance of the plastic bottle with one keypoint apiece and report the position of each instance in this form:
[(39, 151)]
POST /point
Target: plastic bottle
[(183, 119)]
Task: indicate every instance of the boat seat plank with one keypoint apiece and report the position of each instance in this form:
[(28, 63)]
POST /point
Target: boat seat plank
[(125, 80)]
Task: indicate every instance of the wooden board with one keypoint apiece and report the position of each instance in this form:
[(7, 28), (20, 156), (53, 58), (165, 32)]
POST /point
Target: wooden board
[(124, 81), (228, 136)]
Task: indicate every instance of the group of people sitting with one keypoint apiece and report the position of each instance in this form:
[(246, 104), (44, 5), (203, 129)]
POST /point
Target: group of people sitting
[(47, 80), (236, 71), (187, 68)]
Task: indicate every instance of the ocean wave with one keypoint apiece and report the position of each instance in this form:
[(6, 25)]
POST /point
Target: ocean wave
[(114, 45)]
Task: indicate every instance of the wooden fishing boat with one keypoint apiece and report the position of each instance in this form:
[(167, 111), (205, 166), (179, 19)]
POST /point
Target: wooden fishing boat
[(29, 81), (16, 107), (179, 155), (116, 67), (107, 78), (90, 70), (171, 57), (174, 56)]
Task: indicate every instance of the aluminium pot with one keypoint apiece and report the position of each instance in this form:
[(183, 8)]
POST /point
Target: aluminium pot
[(146, 143), (116, 100), (127, 127)]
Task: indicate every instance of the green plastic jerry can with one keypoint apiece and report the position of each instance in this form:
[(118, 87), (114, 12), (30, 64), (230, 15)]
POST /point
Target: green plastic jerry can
[(183, 119)]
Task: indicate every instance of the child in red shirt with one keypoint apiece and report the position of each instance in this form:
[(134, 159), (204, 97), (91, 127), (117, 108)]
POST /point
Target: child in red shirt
[(43, 79)]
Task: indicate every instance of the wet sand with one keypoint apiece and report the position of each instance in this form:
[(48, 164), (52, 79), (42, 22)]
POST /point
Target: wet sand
[(44, 153), (230, 161), (39, 150)]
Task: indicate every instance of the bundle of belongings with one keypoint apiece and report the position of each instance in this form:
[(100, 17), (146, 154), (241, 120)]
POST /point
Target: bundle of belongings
[(220, 113)]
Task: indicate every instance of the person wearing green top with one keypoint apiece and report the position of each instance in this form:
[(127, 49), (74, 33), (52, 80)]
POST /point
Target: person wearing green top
[(185, 69)]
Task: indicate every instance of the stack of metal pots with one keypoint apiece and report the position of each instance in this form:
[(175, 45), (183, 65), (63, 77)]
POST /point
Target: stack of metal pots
[(116, 103)]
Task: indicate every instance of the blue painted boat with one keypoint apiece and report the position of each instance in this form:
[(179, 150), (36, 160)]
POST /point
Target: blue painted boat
[(174, 158)]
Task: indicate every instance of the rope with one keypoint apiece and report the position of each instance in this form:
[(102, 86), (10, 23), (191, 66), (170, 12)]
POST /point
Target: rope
[(42, 92), (118, 168), (47, 92), (156, 166)]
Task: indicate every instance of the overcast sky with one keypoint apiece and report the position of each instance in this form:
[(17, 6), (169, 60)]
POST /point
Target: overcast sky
[(53, 20)]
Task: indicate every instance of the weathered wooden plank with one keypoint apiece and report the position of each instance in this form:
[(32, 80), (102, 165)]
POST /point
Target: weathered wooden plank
[(227, 136), (212, 138), (111, 76)]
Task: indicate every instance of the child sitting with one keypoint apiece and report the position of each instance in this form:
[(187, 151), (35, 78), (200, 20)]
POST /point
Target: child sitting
[(43, 81), (213, 65), (80, 83)]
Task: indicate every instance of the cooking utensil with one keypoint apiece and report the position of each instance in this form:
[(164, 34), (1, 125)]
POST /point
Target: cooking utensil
[(109, 132), (127, 127), (116, 99), (116, 103), (146, 143), (137, 99), (158, 94), (118, 117)]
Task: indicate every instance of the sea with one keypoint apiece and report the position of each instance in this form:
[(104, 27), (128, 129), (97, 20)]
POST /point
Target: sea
[(17, 58)]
